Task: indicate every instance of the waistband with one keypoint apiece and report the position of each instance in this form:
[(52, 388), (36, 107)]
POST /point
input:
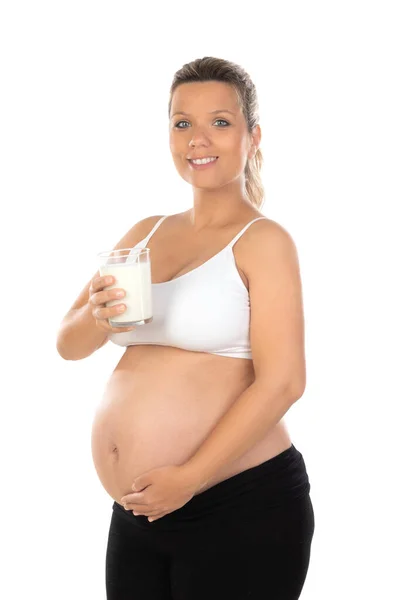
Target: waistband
[(280, 479), (283, 476)]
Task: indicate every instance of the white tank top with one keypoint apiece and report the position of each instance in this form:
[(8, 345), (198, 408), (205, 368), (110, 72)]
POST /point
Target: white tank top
[(206, 309)]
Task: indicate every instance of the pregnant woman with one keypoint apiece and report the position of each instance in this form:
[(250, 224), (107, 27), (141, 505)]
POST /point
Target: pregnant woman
[(211, 497)]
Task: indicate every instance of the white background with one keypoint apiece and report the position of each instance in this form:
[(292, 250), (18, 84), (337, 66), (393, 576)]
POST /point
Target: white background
[(85, 154)]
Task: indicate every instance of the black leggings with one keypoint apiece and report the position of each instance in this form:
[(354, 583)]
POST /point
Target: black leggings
[(248, 536)]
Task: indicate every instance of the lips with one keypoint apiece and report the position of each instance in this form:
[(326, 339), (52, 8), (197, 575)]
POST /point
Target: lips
[(201, 158), (202, 166)]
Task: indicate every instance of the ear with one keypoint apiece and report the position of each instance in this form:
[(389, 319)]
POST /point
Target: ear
[(255, 141)]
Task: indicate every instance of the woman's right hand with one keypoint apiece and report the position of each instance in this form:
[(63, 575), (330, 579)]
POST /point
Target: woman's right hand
[(98, 297)]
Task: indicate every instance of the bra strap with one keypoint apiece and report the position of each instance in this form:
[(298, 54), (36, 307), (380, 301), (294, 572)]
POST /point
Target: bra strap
[(156, 226), (235, 239)]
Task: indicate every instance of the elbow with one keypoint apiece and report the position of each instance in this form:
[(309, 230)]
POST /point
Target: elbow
[(62, 351), (288, 391), (297, 389), (62, 354)]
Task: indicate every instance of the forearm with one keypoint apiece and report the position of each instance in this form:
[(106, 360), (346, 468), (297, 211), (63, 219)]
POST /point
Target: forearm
[(78, 336), (254, 413)]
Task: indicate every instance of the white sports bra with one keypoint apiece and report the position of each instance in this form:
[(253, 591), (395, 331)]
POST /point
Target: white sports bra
[(206, 309)]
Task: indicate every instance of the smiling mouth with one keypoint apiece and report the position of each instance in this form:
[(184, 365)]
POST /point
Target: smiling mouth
[(214, 158)]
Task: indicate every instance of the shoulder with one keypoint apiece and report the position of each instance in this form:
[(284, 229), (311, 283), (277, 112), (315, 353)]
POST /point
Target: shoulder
[(267, 227), (147, 224), (151, 221), (266, 232), (267, 242)]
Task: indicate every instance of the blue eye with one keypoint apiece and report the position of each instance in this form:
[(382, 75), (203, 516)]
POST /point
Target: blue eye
[(176, 124)]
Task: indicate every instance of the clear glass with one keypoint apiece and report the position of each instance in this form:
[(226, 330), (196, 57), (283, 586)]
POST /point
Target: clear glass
[(131, 269)]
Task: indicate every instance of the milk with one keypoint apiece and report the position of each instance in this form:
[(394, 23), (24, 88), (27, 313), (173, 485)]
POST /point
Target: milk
[(135, 278)]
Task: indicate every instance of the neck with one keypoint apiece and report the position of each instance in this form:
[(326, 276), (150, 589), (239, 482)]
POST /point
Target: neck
[(217, 208)]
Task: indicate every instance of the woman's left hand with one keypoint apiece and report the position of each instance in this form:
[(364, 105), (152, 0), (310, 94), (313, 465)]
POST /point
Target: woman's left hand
[(160, 491)]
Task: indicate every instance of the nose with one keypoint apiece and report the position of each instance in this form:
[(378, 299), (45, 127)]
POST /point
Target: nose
[(199, 138)]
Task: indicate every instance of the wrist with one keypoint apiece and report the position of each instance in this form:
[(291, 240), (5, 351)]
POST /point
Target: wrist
[(194, 478)]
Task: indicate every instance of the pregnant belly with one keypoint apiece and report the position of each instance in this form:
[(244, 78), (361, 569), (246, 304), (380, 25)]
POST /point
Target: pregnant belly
[(158, 407)]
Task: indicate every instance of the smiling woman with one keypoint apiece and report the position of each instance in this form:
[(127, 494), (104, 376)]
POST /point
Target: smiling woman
[(193, 412)]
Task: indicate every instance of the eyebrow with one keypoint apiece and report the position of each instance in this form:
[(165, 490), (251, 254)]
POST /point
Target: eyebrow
[(219, 110)]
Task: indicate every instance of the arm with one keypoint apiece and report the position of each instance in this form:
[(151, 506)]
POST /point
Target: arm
[(277, 342), (78, 337)]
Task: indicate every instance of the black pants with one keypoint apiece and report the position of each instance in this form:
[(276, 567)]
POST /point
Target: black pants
[(248, 537)]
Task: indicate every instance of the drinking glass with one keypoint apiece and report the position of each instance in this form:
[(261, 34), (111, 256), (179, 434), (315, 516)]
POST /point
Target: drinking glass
[(131, 269)]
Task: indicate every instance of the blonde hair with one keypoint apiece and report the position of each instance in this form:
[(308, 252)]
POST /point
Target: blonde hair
[(218, 69)]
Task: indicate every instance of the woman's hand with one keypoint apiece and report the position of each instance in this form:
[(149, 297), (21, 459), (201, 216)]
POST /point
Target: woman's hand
[(99, 297), (160, 491)]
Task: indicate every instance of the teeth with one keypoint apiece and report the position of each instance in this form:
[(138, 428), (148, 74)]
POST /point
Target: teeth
[(203, 161)]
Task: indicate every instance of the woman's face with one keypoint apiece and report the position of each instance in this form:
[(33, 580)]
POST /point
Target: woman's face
[(208, 130)]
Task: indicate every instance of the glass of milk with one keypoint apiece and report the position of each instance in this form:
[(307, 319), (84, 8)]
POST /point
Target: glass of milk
[(131, 269)]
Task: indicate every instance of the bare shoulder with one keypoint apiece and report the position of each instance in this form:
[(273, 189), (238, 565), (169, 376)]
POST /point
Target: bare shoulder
[(267, 241), (147, 224), (267, 232), (137, 232)]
